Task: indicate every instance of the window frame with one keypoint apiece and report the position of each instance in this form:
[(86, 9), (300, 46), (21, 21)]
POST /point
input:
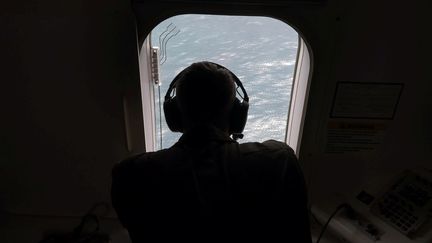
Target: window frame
[(297, 104), (147, 96), (299, 97)]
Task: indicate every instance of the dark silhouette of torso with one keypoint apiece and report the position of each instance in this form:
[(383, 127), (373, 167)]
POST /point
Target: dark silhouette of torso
[(209, 188)]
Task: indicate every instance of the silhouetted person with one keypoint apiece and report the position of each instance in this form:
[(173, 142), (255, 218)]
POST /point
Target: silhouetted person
[(207, 187)]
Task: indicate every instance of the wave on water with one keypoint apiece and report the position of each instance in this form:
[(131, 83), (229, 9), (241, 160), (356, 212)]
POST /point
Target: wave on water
[(261, 51)]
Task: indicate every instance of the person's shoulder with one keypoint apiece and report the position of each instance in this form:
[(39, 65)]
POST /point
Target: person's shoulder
[(265, 158), (126, 165), (269, 146), (268, 152), (277, 145), (138, 162)]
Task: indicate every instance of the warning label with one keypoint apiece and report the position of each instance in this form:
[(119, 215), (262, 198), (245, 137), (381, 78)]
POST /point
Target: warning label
[(345, 137)]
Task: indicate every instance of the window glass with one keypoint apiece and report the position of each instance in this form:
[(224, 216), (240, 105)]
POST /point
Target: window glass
[(261, 51)]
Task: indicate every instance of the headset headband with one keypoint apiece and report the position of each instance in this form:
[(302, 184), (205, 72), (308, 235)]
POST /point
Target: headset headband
[(238, 114), (172, 86)]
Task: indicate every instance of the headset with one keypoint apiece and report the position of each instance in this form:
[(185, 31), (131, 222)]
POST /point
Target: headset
[(238, 114)]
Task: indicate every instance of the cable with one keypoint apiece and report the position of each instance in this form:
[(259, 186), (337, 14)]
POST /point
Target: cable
[(343, 205), (160, 117), (96, 206), (164, 43), (84, 232), (313, 216), (165, 57), (160, 39), (78, 231)]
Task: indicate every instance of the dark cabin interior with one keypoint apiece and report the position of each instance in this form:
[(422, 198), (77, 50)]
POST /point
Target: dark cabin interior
[(72, 108)]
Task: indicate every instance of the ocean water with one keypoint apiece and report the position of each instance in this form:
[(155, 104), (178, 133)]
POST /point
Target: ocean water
[(261, 51)]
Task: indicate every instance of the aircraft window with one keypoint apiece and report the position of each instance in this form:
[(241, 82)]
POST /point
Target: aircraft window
[(261, 51)]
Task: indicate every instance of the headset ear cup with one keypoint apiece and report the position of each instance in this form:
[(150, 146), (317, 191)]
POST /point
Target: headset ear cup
[(173, 115), (238, 117)]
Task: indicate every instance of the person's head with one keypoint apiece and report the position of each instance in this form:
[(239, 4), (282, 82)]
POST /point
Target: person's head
[(205, 94)]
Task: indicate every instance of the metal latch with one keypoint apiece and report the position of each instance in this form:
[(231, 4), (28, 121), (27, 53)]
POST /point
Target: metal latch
[(154, 52)]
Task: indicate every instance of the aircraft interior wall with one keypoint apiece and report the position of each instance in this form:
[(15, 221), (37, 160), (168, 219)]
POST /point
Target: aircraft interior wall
[(72, 105), (375, 42), (69, 78)]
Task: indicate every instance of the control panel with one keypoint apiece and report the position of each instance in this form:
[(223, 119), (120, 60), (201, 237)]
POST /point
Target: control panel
[(407, 204)]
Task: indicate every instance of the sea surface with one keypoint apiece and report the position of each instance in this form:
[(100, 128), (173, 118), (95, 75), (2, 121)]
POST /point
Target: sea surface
[(261, 51)]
